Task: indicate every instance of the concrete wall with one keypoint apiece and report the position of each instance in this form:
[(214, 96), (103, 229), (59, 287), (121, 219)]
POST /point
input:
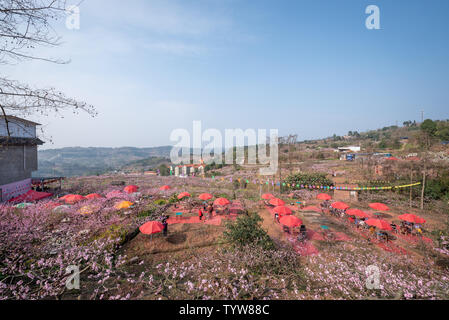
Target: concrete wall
[(17, 163)]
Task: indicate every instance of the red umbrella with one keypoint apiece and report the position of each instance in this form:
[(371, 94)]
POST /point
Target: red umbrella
[(183, 195), (378, 223), (131, 189), (282, 210), (164, 188), (221, 202), (267, 196), (93, 196), (276, 202), (290, 221), (358, 213), (151, 227), (379, 206), (73, 198), (339, 205), (205, 196), (412, 218), (323, 196), (393, 158)]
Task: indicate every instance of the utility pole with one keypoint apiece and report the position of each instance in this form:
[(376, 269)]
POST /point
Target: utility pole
[(422, 116)]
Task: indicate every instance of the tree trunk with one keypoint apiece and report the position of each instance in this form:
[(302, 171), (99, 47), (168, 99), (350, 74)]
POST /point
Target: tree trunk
[(6, 121)]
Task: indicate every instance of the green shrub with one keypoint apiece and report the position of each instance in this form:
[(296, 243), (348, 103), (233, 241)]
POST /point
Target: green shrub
[(246, 230), (315, 178), (173, 198), (160, 202), (438, 188), (147, 212)]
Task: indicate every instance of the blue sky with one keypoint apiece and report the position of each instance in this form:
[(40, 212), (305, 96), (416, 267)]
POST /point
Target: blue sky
[(307, 66)]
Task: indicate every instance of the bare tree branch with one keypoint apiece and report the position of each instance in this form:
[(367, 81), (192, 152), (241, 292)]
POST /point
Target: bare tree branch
[(24, 26)]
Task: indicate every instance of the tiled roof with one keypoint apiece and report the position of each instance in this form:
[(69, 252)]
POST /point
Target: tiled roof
[(14, 141)]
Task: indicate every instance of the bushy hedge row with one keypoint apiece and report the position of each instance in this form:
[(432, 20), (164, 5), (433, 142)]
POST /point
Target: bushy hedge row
[(314, 178)]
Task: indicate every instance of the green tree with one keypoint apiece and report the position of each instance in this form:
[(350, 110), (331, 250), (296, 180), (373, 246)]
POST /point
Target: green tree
[(247, 230), (429, 126), (427, 133), (164, 170)]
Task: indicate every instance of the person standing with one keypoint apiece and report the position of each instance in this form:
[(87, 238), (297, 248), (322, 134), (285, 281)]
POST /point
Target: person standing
[(165, 224), (210, 210), (200, 213)]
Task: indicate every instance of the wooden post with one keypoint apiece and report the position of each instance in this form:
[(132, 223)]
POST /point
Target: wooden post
[(423, 187), (280, 178), (411, 188)]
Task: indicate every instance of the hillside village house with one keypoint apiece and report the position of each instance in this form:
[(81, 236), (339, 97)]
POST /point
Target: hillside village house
[(187, 169), (18, 155)]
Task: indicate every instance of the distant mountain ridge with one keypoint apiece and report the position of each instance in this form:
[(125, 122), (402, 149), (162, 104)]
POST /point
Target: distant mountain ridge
[(78, 161)]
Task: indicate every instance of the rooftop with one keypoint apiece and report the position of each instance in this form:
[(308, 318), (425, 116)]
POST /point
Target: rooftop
[(10, 118)]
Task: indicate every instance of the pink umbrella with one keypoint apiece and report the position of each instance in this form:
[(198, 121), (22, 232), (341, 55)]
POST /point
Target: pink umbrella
[(378, 223), (339, 205), (412, 218), (221, 202), (183, 195), (276, 202), (379, 206), (93, 196), (131, 189), (323, 196), (205, 196), (151, 227), (358, 213), (290, 221), (282, 210)]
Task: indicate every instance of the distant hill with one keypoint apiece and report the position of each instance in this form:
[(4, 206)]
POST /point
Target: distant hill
[(77, 161)]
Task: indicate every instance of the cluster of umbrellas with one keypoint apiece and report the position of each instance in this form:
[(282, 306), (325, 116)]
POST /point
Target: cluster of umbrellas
[(75, 198), (152, 227), (378, 223), (287, 219), (285, 213), (205, 197)]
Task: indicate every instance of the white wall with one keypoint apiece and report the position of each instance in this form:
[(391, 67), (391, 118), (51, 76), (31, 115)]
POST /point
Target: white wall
[(17, 129)]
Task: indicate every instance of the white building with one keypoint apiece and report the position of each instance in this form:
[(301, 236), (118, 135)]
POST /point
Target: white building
[(349, 149), (18, 155)]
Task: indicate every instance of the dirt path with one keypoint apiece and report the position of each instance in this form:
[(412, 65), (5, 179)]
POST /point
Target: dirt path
[(273, 229)]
